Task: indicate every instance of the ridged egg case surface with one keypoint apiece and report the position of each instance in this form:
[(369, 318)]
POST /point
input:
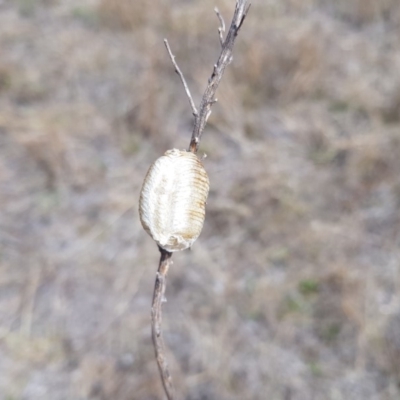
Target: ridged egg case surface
[(173, 198)]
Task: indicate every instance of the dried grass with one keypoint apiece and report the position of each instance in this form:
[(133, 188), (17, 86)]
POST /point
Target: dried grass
[(292, 290)]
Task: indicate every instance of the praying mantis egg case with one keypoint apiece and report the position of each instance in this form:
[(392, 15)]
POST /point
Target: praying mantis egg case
[(173, 199)]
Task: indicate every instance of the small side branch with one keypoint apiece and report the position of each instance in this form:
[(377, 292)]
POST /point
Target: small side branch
[(179, 72), (221, 29), (225, 58), (156, 322)]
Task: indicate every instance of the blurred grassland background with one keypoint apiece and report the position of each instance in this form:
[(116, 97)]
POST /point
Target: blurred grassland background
[(292, 292)]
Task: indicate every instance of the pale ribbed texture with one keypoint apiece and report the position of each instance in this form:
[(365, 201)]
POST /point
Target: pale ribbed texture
[(173, 198)]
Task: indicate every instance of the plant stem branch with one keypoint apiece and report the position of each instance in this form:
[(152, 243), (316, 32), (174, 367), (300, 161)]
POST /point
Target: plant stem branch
[(156, 322), (179, 72), (221, 29), (225, 58), (200, 120)]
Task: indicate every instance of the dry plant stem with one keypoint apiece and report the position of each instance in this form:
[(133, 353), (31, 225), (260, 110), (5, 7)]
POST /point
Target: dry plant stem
[(221, 29), (225, 58), (156, 322), (201, 117), (179, 72)]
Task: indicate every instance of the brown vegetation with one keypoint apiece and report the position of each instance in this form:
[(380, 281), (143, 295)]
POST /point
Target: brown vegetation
[(292, 290)]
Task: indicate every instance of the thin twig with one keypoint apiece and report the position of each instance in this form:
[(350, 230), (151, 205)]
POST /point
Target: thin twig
[(156, 322), (221, 29), (225, 58), (179, 72), (201, 117)]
